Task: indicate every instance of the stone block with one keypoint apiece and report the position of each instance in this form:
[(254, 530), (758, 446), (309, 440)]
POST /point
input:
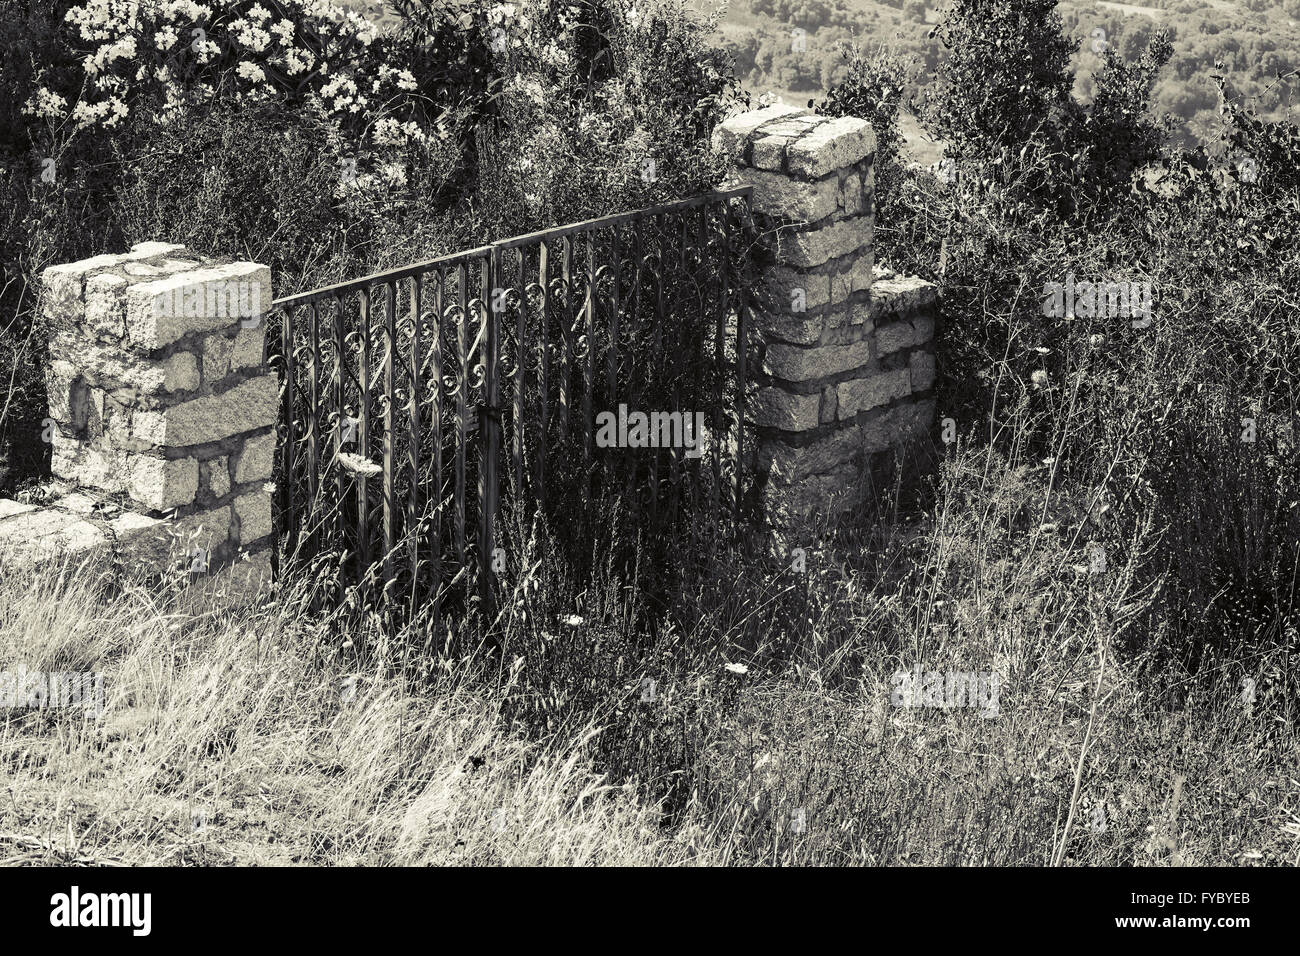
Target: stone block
[(105, 313), (67, 394), (35, 535), (812, 247), (216, 358), (217, 472), (254, 511), (780, 196), (813, 498), (862, 394), (831, 146), (732, 135), (246, 580), (181, 372), (900, 297), (108, 366), (162, 484), (256, 459), (154, 545), (797, 364), (827, 451), (244, 407), (200, 300), (777, 408), (922, 367), (250, 343)]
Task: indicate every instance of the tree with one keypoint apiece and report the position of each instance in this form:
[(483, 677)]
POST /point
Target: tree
[(1005, 74)]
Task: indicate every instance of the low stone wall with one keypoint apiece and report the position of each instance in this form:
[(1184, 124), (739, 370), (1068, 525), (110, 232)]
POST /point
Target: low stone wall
[(161, 419), (848, 357)]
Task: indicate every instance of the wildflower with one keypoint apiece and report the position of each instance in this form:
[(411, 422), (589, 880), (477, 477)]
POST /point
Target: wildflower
[(46, 104), (284, 31), (251, 72), (738, 668), (1039, 378), (574, 620)]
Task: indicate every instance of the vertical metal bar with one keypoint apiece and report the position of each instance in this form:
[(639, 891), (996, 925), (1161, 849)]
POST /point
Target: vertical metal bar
[(462, 405), (390, 426), (589, 369), (719, 360), (413, 444), (363, 438), (741, 390), (313, 426), (288, 507), (566, 331), (544, 342), (521, 364), (435, 419), (611, 363), (339, 395), (634, 393), (488, 430), (698, 330), (660, 312), (676, 361)]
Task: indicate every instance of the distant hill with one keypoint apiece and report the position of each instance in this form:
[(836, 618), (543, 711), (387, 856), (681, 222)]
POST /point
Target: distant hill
[(1256, 41)]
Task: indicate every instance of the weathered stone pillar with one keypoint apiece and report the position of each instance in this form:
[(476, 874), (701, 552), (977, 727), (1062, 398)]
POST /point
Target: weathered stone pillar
[(162, 413), (848, 360)]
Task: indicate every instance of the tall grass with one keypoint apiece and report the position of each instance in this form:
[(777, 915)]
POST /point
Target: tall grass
[(771, 736)]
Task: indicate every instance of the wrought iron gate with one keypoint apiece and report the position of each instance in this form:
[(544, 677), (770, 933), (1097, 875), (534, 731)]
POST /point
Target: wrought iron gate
[(406, 393)]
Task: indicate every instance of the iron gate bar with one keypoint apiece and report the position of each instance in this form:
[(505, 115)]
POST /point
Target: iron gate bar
[(414, 284), (544, 280)]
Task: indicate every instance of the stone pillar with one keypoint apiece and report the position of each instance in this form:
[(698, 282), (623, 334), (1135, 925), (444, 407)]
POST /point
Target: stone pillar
[(162, 411), (847, 349)]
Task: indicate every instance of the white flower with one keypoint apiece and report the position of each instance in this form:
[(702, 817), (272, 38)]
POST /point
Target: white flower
[(1039, 378), (387, 132), (574, 620), (295, 61), (251, 72), (738, 668), (46, 104), (284, 30)]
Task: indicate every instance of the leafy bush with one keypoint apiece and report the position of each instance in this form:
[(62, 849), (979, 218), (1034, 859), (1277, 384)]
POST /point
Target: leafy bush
[(1042, 188)]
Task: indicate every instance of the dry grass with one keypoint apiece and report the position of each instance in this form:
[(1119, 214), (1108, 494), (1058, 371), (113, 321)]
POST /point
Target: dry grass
[(238, 722)]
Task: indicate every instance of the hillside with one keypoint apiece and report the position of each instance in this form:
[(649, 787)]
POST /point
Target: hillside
[(1254, 42)]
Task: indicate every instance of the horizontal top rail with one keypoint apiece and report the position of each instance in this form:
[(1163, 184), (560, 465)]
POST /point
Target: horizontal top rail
[(602, 222)]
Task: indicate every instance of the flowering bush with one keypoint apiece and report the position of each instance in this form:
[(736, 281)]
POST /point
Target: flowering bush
[(162, 56), (169, 51)]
